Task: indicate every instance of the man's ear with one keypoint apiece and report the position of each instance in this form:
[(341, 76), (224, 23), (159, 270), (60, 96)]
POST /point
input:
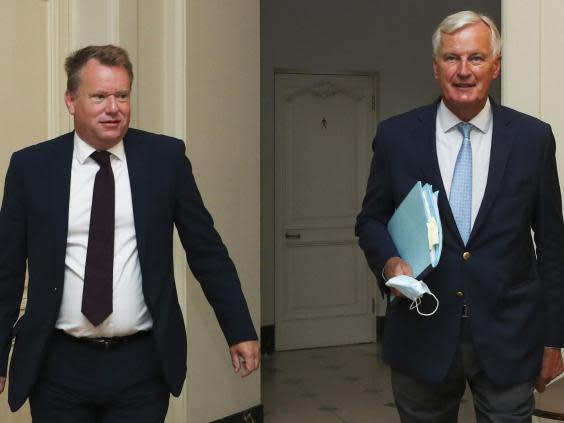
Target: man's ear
[(497, 67), (435, 74), (69, 101)]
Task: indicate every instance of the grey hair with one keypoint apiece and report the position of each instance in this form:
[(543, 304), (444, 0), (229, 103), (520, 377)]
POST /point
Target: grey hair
[(456, 21)]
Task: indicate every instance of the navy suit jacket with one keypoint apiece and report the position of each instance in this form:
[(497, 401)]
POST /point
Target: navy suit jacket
[(515, 294), (33, 234)]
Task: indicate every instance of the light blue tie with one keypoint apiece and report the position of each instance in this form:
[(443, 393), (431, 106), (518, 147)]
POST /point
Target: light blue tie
[(461, 188)]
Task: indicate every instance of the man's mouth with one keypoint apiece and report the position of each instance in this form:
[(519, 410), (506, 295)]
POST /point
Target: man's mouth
[(110, 122), (463, 85)]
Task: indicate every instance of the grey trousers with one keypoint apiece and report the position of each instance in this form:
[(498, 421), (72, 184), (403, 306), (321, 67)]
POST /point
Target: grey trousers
[(422, 402)]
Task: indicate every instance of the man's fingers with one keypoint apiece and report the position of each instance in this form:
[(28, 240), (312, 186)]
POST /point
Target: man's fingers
[(552, 366), (395, 266), (246, 369), (540, 385), (252, 363), (244, 366), (2, 383), (235, 361), (396, 293), (249, 363), (245, 357)]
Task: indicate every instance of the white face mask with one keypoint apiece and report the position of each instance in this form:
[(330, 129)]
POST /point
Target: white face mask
[(412, 289)]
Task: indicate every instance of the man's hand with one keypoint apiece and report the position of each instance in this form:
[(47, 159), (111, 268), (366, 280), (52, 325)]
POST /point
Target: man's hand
[(552, 366), (395, 266), (245, 357), (2, 383)]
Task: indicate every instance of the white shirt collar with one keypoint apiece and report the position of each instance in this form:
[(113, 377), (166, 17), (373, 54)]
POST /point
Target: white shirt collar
[(448, 120), (83, 150)]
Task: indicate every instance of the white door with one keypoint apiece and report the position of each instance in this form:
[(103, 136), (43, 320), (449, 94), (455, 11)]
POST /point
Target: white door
[(323, 288)]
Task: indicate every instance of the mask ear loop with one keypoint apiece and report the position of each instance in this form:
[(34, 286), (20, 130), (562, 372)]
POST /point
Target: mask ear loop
[(415, 304)]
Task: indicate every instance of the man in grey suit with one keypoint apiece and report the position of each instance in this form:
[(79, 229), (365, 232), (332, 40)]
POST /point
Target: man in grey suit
[(500, 323)]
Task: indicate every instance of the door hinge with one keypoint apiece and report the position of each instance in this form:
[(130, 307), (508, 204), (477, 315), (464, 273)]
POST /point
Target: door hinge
[(373, 103)]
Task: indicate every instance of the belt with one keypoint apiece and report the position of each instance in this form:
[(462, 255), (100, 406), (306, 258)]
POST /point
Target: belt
[(104, 343)]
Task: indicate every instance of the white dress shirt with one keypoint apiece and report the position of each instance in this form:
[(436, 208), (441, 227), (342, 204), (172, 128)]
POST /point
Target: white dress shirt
[(130, 313), (449, 140)]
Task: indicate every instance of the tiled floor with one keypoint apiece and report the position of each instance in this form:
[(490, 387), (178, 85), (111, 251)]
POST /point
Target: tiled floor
[(348, 384)]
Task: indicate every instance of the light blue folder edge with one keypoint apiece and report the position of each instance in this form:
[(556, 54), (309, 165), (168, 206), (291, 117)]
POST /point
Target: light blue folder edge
[(408, 228), (431, 200)]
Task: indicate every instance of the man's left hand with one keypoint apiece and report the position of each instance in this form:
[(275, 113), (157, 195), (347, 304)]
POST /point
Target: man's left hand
[(552, 366), (245, 357)]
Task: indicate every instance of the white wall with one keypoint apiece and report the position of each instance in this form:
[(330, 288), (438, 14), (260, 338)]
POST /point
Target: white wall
[(323, 36), (23, 90), (223, 97), (533, 29), (533, 65)]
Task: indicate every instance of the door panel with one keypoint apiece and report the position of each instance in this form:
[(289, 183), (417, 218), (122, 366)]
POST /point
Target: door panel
[(324, 291)]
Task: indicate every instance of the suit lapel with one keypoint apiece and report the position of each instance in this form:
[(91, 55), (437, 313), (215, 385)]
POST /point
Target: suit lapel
[(137, 169), (60, 163), (501, 146)]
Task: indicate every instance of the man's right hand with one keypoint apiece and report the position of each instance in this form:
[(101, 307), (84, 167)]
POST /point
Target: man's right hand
[(395, 266), (2, 383)]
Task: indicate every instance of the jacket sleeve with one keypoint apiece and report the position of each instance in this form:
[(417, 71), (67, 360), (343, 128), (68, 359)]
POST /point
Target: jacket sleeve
[(208, 258), (13, 254), (377, 209), (548, 228)]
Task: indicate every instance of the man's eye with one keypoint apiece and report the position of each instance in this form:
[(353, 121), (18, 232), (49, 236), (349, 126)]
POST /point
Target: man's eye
[(123, 97), (450, 58), (98, 98), (476, 59)]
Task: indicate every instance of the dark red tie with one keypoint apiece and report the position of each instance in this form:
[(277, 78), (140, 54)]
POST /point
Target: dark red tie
[(98, 274)]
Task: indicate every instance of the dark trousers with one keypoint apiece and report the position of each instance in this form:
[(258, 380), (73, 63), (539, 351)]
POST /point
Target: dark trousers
[(91, 384), (422, 402)]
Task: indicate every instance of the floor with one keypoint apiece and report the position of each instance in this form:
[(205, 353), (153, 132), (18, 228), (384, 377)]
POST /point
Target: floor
[(348, 384)]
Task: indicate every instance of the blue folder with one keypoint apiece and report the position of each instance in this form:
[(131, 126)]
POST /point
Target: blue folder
[(415, 228)]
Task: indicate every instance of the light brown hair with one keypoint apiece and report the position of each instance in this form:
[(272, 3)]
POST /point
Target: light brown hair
[(108, 55)]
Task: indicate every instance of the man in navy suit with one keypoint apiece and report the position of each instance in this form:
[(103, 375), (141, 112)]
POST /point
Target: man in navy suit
[(90, 214), (500, 323)]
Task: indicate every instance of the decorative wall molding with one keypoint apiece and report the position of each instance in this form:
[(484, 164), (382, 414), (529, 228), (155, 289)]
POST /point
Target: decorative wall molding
[(174, 124), (94, 22), (521, 86), (112, 21), (326, 90), (58, 46), (175, 68)]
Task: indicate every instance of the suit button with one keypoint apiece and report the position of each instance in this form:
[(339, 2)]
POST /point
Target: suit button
[(460, 294), (466, 255)]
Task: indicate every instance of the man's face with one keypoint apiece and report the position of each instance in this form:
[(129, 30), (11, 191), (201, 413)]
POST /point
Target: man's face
[(100, 105), (465, 68)]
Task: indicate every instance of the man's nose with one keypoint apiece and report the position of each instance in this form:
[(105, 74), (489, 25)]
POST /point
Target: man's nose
[(463, 68), (111, 104)]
